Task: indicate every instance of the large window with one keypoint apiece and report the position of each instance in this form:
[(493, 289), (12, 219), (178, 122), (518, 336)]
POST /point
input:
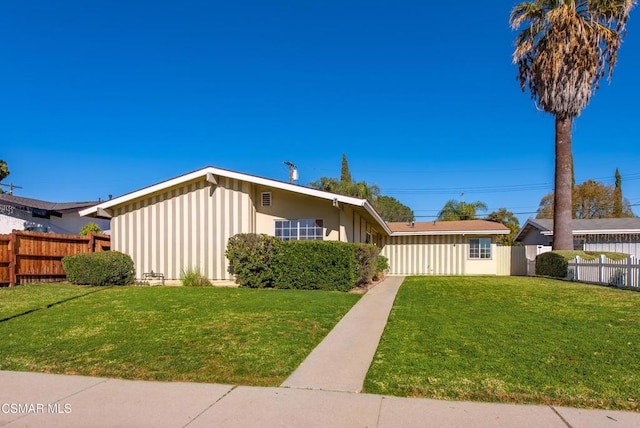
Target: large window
[(303, 230), (480, 248)]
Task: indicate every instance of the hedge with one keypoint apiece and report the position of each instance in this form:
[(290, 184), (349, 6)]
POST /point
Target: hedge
[(260, 261), (316, 265), (103, 268)]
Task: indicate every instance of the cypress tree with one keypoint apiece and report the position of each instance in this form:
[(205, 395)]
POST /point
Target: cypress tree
[(345, 175), (617, 196)]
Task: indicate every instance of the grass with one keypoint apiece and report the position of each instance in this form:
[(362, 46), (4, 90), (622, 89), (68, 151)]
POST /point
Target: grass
[(222, 335), (18, 300), (518, 340)]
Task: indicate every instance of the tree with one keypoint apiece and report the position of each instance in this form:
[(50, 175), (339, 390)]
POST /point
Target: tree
[(460, 210), (508, 219), (345, 175), (590, 199), (566, 46), (391, 209), (617, 196), (4, 172)]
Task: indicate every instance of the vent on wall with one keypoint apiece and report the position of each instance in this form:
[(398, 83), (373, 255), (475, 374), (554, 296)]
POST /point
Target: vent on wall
[(266, 199)]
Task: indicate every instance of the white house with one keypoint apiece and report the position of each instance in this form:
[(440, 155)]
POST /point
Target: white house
[(186, 222)]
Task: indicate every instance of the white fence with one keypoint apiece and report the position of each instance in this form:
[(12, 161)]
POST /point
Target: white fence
[(618, 273)]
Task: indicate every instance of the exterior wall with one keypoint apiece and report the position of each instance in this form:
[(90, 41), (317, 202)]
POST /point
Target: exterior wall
[(187, 226), (68, 224), (435, 255), (340, 224), (626, 243)]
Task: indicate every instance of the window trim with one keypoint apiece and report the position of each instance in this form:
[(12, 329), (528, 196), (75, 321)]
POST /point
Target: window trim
[(317, 230), (480, 252)]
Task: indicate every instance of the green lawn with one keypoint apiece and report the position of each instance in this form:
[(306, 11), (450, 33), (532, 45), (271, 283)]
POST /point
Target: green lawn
[(519, 340), (223, 335)]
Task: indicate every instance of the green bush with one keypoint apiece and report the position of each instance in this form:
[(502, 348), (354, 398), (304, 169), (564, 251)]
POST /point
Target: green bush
[(316, 265), (104, 268), (552, 263), (192, 277), (90, 228), (251, 259), (382, 267), (366, 258)]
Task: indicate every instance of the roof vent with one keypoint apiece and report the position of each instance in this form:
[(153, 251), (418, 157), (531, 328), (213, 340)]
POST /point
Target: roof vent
[(266, 199)]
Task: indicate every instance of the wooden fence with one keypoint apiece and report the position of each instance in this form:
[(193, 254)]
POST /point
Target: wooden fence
[(618, 273), (37, 257)]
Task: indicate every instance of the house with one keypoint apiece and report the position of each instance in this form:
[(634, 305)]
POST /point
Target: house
[(186, 222), (18, 213), (620, 235)]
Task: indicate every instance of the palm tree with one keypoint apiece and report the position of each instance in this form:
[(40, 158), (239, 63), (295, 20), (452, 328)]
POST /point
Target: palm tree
[(564, 49), (455, 210)]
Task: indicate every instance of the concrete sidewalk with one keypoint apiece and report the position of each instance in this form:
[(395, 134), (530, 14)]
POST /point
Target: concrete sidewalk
[(45, 400), (341, 361)]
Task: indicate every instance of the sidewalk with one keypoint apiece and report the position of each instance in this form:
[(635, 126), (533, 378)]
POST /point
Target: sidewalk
[(322, 392)]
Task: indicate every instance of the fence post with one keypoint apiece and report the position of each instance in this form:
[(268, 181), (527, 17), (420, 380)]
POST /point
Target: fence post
[(92, 242), (12, 259), (600, 269), (577, 268), (629, 271)]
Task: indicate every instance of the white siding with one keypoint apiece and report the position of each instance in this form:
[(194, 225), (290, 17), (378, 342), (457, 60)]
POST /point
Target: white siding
[(425, 255), (187, 226)]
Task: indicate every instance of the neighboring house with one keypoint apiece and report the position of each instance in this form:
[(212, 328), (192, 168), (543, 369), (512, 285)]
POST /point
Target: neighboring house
[(186, 222), (620, 235), (18, 213)]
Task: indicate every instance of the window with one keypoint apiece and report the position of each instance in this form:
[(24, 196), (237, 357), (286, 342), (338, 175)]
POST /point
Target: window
[(302, 230), (266, 199), (480, 248)]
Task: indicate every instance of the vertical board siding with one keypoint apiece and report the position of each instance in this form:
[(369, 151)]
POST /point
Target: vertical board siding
[(425, 255), (185, 227), (511, 261)]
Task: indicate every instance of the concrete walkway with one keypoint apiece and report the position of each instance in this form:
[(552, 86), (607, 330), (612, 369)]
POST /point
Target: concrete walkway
[(320, 393), (341, 361)]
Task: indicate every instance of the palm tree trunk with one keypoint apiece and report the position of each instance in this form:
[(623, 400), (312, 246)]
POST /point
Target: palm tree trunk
[(562, 232)]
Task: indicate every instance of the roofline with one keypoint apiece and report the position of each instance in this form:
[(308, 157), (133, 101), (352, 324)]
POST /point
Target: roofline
[(202, 173), (596, 232), (452, 232)]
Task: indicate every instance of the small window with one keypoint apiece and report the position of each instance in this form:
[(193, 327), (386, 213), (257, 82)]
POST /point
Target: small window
[(266, 199), (480, 248), (299, 230)]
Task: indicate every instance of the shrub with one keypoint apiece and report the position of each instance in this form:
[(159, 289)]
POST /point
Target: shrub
[(104, 268), (382, 267), (192, 277), (316, 265), (251, 258), (366, 257), (552, 263), (90, 228)]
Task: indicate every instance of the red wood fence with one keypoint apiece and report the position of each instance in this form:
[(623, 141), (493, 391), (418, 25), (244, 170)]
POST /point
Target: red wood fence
[(37, 257)]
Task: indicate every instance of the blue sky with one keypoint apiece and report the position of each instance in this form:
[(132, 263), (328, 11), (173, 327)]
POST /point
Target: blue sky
[(104, 97)]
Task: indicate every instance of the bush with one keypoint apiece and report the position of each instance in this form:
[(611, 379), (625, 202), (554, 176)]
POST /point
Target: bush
[(382, 267), (366, 258), (552, 264), (251, 259), (316, 265), (90, 228), (192, 277), (104, 268)]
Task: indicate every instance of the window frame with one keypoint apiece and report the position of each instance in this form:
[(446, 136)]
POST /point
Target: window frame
[(304, 229), (480, 251)]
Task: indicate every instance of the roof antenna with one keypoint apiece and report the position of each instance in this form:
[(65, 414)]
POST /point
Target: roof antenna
[(293, 172)]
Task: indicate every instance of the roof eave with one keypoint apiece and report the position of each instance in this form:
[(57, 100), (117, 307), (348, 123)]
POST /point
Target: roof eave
[(452, 232)]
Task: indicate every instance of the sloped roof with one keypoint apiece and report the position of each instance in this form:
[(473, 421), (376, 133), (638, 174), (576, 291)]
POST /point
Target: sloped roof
[(461, 227), (596, 226), (20, 202)]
